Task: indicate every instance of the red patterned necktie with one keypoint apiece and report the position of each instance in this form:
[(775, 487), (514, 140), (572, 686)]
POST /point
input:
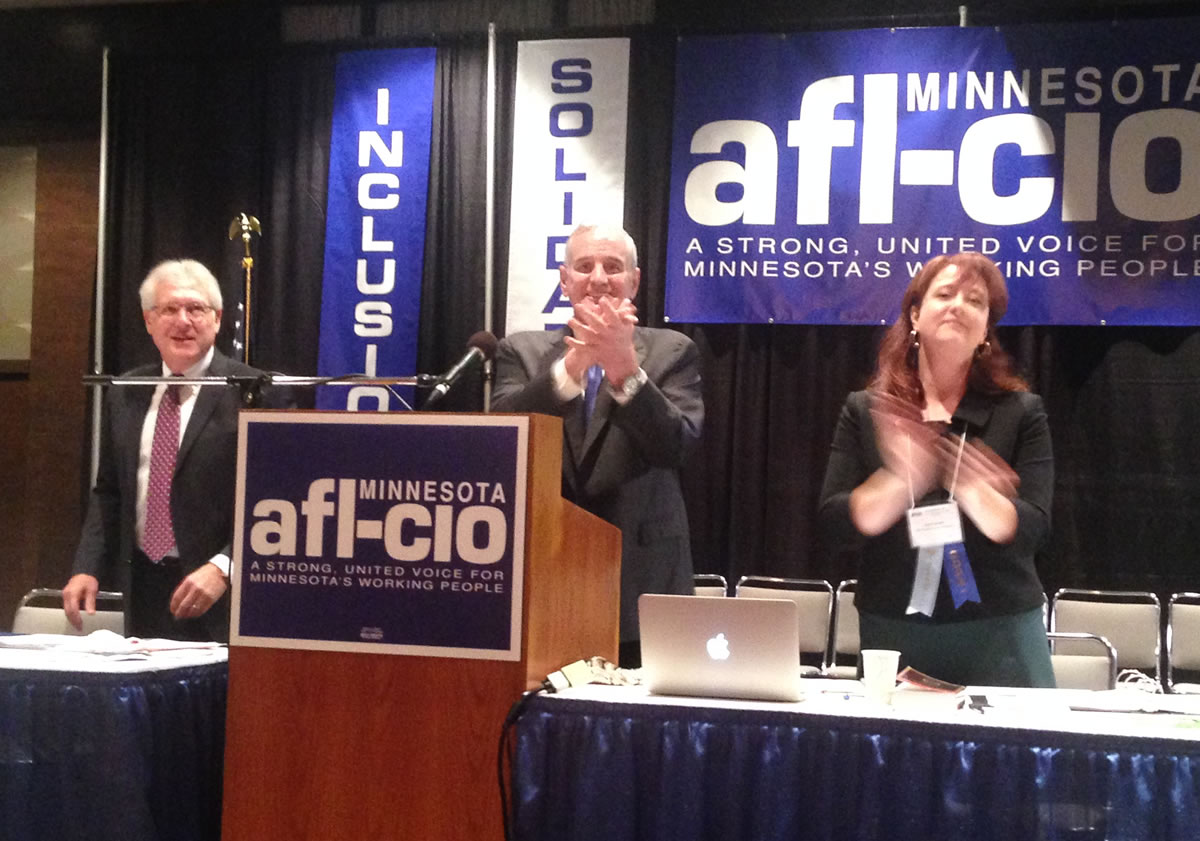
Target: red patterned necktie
[(159, 535)]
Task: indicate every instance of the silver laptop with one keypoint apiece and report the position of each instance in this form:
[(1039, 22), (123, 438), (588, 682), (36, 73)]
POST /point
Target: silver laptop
[(720, 647)]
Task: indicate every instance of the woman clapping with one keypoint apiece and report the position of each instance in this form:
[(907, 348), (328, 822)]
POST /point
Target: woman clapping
[(943, 470)]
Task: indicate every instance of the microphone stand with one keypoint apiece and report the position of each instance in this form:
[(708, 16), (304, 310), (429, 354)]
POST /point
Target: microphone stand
[(251, 386)]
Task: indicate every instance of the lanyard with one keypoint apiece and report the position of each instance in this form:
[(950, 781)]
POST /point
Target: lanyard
[(962, 444), (938, 540)]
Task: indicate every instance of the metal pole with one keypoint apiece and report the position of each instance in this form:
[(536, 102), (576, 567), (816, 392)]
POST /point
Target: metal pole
[(489, 206), (101, 231)]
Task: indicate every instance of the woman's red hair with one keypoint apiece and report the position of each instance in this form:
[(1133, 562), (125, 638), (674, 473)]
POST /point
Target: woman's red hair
[(992, 370)]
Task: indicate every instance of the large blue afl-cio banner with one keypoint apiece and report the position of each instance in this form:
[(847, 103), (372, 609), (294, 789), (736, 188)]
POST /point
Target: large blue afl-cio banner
[(812, 174), (379, 150), (387, 533)]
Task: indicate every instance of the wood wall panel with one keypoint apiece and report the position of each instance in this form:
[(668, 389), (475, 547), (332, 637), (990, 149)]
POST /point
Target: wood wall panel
[(16, 569), (43, 419), (64, 279)]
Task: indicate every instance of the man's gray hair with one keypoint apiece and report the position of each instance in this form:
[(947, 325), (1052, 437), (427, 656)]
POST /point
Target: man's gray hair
[(613, 232), (184, 270)]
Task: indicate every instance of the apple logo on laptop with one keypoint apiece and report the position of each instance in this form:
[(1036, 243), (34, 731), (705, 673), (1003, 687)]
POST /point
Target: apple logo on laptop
[(718, 647)]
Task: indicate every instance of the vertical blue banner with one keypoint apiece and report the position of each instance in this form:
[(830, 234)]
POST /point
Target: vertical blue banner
[(375, 222)]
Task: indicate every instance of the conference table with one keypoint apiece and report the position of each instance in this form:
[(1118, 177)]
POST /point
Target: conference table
[(122, 744), (614, 763)]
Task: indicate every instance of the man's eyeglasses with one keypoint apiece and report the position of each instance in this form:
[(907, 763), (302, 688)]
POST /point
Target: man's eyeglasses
[(194, 311)]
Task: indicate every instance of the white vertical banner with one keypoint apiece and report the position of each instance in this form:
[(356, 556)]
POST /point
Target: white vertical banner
[(568, 164)]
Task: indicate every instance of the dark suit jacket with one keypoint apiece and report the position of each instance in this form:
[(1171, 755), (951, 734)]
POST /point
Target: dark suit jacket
[(1015, 427), (202, 490), (624, 465)]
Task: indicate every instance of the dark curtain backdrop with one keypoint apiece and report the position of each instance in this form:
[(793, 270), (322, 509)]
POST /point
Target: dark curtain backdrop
[(197, 139)]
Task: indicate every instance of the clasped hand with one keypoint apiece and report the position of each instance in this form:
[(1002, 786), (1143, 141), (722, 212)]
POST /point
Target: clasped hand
[(916, 453), (602, 334), (197, 592)]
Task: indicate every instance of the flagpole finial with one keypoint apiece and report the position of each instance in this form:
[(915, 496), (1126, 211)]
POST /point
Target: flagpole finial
[(244, 225)]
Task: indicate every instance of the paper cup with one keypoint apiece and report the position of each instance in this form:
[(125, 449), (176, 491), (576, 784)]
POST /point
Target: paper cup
[(880, 666)]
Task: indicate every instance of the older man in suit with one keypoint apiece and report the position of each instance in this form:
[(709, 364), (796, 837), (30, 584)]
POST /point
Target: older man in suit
[(160, 520), (631, 406)]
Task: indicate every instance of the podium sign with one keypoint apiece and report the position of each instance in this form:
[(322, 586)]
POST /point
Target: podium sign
[(330, 744), (381, 533)]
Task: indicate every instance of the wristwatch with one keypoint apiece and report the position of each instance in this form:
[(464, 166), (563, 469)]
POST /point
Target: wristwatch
[(633, 384)]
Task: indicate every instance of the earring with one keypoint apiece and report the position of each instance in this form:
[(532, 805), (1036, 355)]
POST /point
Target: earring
[(913, 356), (983, 349)]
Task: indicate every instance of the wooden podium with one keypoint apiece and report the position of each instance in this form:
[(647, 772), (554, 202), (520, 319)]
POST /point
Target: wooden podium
[(335, 746)]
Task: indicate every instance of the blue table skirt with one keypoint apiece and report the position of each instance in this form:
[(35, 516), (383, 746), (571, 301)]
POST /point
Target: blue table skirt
[(609, 772), (125, 757)]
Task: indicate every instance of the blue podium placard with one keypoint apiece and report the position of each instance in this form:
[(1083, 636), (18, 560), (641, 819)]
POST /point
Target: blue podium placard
[(384, 533)]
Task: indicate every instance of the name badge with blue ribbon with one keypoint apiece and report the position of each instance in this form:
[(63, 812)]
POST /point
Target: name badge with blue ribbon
[(935, 531), (930, 529)]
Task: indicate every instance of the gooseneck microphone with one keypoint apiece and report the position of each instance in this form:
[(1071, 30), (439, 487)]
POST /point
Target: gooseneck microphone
[(480, 348)]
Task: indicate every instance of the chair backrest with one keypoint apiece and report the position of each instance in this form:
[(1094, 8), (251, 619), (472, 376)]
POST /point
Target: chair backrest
[(845, 620), (1183, 635), (843, 635), (41, 612), (709, 584), (1091, 662), (1128, 620), (814, 598)]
